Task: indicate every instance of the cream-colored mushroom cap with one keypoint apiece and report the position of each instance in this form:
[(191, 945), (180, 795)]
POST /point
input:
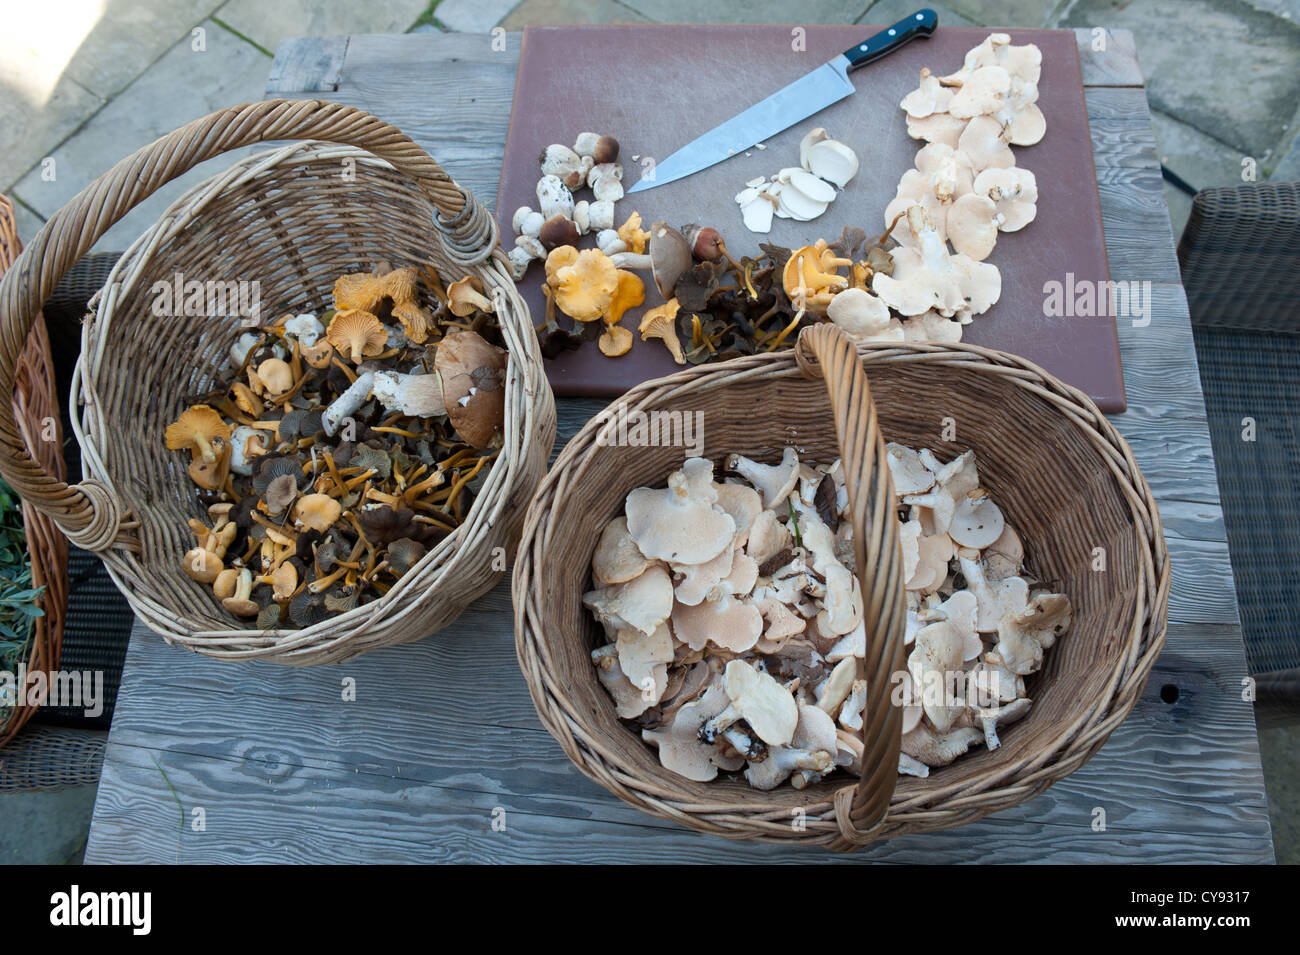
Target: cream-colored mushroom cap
[(680, 749), (976, 521), (729, 623), (617, 559), (772, 481), (762, 702), (672, 525), (642, 603)]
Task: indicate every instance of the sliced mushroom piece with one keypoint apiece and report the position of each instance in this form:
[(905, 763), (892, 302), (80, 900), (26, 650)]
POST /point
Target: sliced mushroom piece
[(833, 161)]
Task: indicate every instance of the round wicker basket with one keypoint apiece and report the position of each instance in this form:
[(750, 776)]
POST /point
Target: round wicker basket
[(292, 219), (35, 412), (1061, 473)]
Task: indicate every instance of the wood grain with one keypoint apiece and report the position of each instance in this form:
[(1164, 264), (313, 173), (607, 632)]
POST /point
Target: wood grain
[(442, 731)]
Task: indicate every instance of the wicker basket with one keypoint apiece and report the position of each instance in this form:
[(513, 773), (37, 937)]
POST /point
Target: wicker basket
[(1060, 472), (35, 412), (293, 219)]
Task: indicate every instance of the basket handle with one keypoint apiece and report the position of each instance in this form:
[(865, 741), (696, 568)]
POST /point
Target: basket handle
[(824, 351), (89, 513)]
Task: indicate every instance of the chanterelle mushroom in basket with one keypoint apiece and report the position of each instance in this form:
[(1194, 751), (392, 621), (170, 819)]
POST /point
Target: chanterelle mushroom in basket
[(200, 430)]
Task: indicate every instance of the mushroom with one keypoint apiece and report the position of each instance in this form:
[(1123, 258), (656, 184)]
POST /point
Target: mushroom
[(928, 98), (982, 91), (629, 700), (930, 326), (1014, 193), (659, 323), (990, 718), (972, 225), (909, 472), (976, 522), (356, 335), (465, 297), (727, 623), (982, 143), (346, 404), (760, 701), (584, 289), (558, 230), (768, 537), (836, 688), (642, 603), (697, 579), (996, 599), (671, 524), (680, 748), (563, 163), (831, 160), (554, 197), (318, 512), (939, 749), (1024, 634), (617, 558), (772, 481), (240, 603), (927, 277), (863, 317), (418, 396), (201, 431), (473, 376), (642, 657)]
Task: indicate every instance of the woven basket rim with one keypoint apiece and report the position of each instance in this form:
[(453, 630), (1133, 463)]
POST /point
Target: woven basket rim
[(956, 803), (530, 416)]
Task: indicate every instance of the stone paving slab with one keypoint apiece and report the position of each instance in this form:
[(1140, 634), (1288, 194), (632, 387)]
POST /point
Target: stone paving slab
[(184, 85), (45, 828), (1200, 160), (34, 117), (1010, 13), (473, 16), (1222, 66), (266, 24), (891, 11), (538, 12), (129, 37), (753, 11)]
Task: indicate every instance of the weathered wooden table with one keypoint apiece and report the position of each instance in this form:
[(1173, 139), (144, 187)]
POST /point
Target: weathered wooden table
[(440, 757)]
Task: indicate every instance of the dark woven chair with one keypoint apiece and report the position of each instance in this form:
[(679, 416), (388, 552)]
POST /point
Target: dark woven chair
[(1240, 260)]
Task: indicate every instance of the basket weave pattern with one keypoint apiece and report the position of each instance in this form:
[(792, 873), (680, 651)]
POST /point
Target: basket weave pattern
[(293, 219), (34, 407), (1060, 472)]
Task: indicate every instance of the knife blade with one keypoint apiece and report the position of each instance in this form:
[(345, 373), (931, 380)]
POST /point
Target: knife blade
[(806, 96)]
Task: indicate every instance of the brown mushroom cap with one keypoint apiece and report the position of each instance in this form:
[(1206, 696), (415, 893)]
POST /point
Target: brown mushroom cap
[(196, 430), (210, 475), (317, 512), (670, 257), (558, 230), (357, 334), (473, 385), (276, 376)]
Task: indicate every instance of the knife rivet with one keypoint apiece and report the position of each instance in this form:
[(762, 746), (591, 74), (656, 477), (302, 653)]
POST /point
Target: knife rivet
[(891, 32), (863, 47), (920, 17)]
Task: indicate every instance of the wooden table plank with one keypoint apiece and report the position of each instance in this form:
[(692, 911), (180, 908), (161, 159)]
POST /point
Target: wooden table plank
[(443, 731)]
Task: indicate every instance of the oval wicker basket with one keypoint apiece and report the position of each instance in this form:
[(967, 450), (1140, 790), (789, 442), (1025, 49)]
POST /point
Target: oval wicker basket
[(36, 413), (1062, 475), (292, 219)]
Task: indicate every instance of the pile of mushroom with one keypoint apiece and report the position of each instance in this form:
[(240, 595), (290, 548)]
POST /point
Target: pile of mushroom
[(334, 453), (733, 623), (560, 218), (965, 187), (800, 192)]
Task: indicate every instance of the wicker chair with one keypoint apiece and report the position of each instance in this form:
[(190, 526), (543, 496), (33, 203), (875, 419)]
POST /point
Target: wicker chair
[(1240, 260)]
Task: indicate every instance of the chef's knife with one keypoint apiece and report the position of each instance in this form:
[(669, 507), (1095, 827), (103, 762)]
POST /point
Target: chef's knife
[(809, 94)]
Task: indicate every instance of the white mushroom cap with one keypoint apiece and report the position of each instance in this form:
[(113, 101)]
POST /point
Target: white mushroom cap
[(670, 524), (929, 97), (833, 161), (617, 558), (767, 537), (743, 504), (641, 656), (936, 749), (909, 472), (740, 581), (728, 623), (762, 702), (629, 701), (697, 579), (640, 604), (780, 622), (996, 599), (977, 521), (1013, 191), (1023, 634), (937, 128), (983, 91), (934, 663), (680, 748), (973, 223), (772, 481), (860, 315), (983, 144)]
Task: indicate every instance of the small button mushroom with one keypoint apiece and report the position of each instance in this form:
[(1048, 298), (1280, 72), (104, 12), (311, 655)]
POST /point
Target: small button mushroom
[(554, 197), (558, 230), (600, 216), (606, 181), (522, 215), (563, 163)]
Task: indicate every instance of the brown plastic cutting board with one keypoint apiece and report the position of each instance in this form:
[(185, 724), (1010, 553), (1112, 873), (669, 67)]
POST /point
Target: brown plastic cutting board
[(657, 87)]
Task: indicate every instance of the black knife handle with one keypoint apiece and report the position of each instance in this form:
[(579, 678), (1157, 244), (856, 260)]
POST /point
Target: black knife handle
[(920, 23)]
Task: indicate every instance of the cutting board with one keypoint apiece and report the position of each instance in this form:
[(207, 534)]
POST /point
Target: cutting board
[(656, 87)]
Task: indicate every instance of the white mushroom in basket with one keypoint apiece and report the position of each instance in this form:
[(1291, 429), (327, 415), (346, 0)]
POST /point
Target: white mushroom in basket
[(670, 524), (679, 745), (772, 481)]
